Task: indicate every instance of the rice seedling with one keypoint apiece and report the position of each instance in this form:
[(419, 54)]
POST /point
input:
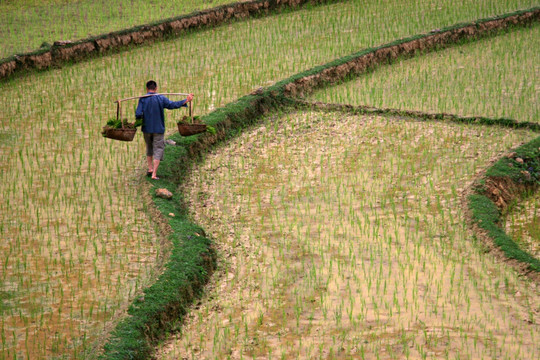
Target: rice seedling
[(77, 243), (492, 77), (365, 250)]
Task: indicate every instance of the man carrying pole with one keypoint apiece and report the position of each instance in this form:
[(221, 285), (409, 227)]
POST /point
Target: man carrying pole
[(150, 109)]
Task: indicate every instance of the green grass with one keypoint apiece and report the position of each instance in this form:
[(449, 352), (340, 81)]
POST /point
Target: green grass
[(526, 171), (164, 303), (492, 77)]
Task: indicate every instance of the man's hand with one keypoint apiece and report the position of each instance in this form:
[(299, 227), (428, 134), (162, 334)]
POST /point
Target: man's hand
[(189, 97)]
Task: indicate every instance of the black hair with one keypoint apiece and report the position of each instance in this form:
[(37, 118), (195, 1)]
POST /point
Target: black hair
[(151, 85)]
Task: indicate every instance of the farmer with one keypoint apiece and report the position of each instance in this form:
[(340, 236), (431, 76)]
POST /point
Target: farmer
[(150, 109)]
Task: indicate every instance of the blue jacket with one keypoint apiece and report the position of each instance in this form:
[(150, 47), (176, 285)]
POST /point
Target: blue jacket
[(150, 109)]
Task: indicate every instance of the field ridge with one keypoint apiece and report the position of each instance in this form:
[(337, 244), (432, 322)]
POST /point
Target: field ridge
[(365, 109)]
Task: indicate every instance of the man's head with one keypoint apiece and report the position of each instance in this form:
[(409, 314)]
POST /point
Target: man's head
[(151, 85)]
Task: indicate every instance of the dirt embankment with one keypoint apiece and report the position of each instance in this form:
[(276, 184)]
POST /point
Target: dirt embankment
[(502, 191), (365, 109), (66, 51)]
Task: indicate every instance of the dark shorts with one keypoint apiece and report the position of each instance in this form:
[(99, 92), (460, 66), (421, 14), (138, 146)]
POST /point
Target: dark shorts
[(155, 143)]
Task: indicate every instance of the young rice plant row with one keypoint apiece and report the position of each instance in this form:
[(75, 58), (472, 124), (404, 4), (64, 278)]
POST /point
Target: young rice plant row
[(77, 243)]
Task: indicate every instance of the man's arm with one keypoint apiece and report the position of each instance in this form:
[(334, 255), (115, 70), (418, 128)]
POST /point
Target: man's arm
[(168, 104)]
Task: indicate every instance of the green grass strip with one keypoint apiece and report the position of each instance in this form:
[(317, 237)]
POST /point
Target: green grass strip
[(488, 217), (153, 314)]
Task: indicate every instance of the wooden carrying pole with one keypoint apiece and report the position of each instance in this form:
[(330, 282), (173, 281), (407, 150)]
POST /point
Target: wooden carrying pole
[(148, 95), (119, 107)]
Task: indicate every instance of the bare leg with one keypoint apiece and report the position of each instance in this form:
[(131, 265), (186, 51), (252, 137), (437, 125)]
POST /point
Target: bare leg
[(149, 160), (156, 165)]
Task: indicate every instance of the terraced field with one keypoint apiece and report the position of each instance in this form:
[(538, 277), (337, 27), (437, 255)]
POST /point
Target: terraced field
[(79, 243), (343, 236)]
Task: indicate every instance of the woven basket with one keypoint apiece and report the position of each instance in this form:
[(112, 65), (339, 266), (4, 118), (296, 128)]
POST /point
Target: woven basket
[(121, 134), (186, 127), (191, 129)]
